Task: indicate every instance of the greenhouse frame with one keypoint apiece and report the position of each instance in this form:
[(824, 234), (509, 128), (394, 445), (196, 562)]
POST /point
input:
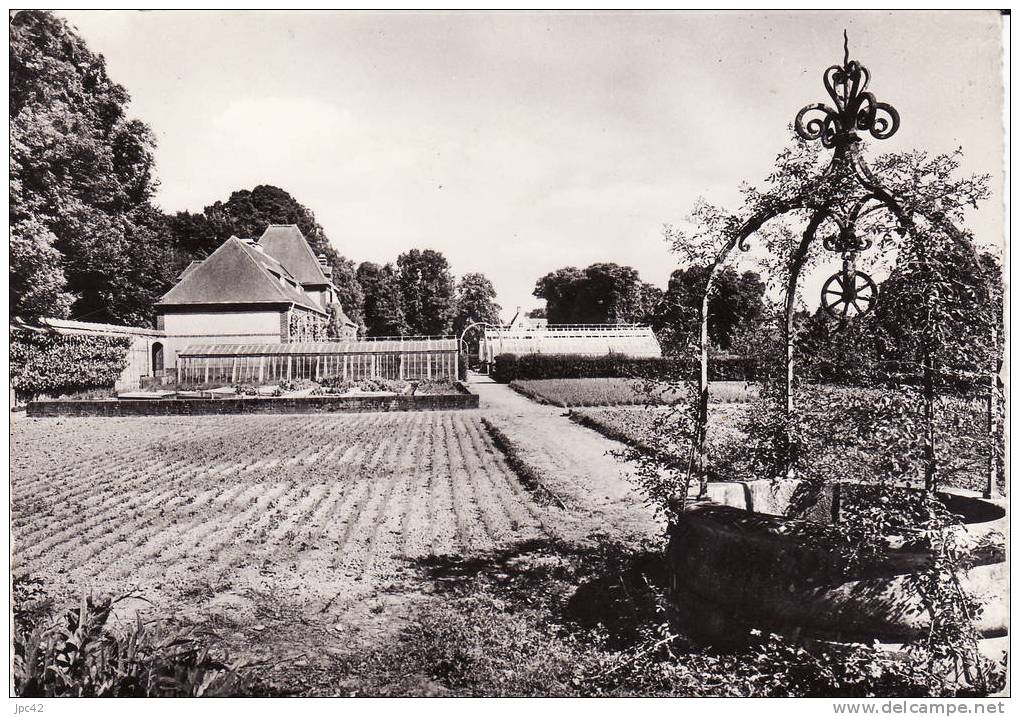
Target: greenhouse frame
[(412, 358), (635, 340)]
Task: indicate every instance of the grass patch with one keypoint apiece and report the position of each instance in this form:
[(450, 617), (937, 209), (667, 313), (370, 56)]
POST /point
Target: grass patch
[(548, 619), (529, 475), (963, 455), (582, 392)]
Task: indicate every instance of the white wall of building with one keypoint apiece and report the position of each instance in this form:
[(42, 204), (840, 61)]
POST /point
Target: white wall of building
[(228, 327)]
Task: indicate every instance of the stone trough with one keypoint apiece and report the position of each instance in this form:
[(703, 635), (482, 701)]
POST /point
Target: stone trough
[(737, 564)]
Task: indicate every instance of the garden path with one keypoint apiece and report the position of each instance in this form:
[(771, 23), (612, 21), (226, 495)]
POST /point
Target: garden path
[(575, 462)]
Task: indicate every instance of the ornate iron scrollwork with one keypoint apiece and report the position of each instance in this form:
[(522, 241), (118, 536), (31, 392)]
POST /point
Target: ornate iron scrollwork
[(856, 108)]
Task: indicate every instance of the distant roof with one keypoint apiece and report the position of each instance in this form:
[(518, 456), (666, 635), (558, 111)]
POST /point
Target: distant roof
[(394, 345), (343, 317), (288, 245), (237, 273), (188, 269), (66, 326)]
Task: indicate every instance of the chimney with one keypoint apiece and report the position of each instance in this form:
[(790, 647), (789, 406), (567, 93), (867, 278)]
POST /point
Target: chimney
[(326, 268)]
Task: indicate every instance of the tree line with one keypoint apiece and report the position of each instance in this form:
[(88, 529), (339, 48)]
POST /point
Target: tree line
[(88, 242)]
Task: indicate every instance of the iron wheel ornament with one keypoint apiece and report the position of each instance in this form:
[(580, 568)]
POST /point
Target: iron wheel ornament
[(849, 293)]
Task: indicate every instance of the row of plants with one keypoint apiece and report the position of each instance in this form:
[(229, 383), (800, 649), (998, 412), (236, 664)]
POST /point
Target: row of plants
[(47, 363), (338, 386), (579, 392), (516, 367)]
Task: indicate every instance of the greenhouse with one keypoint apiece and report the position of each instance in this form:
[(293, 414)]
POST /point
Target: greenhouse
[(411, 358), (573, 339)]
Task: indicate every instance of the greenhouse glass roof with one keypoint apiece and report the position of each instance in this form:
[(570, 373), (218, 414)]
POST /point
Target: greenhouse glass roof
[(319, 348)]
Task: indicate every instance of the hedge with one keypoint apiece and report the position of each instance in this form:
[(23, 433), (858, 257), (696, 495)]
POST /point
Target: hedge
[(510, 367), (54, 364)]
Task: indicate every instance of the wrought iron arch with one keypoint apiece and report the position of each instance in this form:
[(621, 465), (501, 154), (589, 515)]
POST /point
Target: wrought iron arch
[(856, 109)]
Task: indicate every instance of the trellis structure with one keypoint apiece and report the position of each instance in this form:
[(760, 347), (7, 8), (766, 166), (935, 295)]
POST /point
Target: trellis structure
[(842, 195), (412, 358)]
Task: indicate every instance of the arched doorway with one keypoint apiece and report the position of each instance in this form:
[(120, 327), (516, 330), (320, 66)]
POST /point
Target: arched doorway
[(157, 359)]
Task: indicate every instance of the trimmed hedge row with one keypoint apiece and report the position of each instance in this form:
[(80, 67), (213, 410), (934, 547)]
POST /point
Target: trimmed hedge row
[(511, 367), (50, 363)]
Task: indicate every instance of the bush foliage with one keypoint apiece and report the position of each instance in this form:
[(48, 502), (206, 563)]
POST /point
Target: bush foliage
[(81, 654), (43, 362), (514, 367)]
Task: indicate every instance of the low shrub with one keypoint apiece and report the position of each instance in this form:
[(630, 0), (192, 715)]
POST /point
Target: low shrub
[(297, 384), (511, 367), (81, 655), (88, 394), (389, 385), (434, 387), (44, 362), (338, 385)]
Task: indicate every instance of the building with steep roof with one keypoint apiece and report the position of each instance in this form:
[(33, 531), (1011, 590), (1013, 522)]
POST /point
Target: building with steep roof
[(270, 290)]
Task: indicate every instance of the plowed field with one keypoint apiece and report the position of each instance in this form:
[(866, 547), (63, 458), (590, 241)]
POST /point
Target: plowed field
[(316, 511)]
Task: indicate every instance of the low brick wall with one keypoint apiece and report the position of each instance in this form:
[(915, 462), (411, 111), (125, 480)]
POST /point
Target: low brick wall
[(219, 406)]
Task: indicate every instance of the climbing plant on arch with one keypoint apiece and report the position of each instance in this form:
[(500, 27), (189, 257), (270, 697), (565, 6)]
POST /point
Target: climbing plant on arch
[(907, 203)]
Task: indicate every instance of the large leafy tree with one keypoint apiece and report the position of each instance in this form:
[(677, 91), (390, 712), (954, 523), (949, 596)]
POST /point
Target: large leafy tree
[(738, 299), (603, 293), (247, 213), (83, 170), (939, 279), (559, 290), (476, 301), (384, 313), (426, 291), (38, 285)]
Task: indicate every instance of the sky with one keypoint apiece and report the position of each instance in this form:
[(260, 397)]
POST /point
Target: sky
[(520, 143)]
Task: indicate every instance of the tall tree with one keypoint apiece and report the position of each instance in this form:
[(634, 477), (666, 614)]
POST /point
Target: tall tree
[(967, 295), (248, 213), (559, 289), (476, 301), (427, 292), (384, 314), (38, 285), (348, 288), (604, 293), (83, 170), (737, 298)]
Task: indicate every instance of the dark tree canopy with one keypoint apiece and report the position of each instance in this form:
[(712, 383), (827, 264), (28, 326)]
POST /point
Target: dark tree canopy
[(426, 292), (476, 301), (83, 170), (603, 293), (738, 298), (968, 294), (86, 240), (384, 314)]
